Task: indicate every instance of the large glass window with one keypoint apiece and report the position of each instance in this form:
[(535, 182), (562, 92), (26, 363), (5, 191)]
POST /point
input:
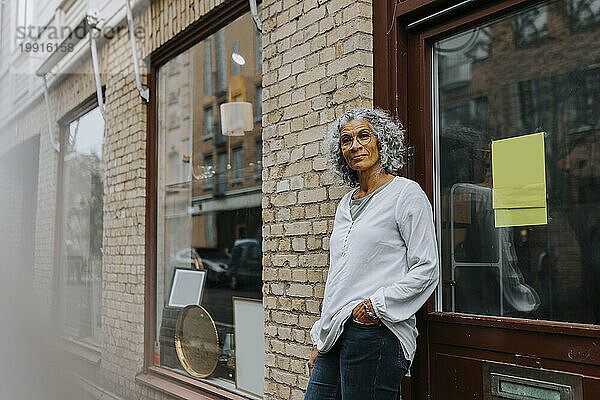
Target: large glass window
[(549, 271), (80, 294), (208, 215)]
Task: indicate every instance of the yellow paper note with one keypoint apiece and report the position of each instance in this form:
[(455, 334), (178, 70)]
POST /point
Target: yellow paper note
[(520, 216), (519, 176)]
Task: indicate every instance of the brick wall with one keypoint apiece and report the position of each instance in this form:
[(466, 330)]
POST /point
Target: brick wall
[(317, 63)]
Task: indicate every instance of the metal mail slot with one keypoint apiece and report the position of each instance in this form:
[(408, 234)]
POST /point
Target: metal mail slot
[(514, 387), (515, 382)]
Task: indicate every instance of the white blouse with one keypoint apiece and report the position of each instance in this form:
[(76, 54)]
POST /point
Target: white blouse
[(388, 254)]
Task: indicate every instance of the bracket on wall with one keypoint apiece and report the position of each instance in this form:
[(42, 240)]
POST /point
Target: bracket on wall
[(145, 93), (51, 61), (254, 11), (93, 19)]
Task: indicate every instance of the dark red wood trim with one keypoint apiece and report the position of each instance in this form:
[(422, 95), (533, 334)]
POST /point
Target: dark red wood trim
[(558, 328), (150, 239), (184, 387), (477, 16), (566, 348), (384, 67), (524, 360), (415, 9)]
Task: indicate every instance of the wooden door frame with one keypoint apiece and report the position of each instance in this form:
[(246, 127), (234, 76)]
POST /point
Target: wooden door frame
[(403, 85)]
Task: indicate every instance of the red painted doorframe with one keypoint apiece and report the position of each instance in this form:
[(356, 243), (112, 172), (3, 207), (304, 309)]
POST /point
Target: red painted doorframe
[(402, 84)]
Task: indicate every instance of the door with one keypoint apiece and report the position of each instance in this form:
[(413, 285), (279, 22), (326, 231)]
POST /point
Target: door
[(517, 311)]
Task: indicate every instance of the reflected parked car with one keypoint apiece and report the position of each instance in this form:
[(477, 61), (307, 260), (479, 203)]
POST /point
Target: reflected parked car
[(245, 267), (189, 258)]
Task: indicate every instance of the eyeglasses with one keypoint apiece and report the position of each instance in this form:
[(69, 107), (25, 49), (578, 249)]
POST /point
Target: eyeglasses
[(363, 138)]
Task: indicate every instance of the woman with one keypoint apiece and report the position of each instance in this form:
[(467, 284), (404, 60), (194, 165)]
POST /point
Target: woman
[(383, 265)]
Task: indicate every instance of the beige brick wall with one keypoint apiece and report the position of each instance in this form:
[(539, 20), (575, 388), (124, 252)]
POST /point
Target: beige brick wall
[(317, 63)]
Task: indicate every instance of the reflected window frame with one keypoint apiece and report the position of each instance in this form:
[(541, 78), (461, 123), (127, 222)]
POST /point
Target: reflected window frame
[(94, 341)]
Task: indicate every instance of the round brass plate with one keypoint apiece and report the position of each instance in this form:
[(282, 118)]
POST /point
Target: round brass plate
[(197, 341)]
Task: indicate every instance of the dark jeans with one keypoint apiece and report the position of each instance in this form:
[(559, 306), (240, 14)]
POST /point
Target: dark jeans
[(365, 363)]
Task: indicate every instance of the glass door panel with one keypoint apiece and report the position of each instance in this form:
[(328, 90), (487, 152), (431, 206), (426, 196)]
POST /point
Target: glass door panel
[(536, 70)]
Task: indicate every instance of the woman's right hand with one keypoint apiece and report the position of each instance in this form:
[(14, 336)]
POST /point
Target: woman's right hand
[(311, 361)]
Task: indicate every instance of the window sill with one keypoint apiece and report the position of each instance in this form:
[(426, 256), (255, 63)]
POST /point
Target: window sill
[(183, 387), (85, 351)]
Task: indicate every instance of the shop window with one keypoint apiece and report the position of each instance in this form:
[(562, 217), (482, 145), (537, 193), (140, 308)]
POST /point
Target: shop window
[(544, 271), (583, 14), (81, 228), (530, 26), (203, 228)]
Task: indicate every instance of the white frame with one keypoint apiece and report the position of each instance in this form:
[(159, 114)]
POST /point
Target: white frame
[(248, 314), (178, 276)]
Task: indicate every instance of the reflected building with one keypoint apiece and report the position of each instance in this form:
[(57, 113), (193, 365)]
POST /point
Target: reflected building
[(536, 71), (209, 184)]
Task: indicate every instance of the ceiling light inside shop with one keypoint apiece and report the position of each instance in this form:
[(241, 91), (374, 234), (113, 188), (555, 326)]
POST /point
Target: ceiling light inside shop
[(236, 118), (238, 59)]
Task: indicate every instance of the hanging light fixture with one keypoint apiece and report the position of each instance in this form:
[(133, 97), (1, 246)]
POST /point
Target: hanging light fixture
[(236, 118)]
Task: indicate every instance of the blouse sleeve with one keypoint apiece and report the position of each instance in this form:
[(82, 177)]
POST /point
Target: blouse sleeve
[(414, 217), (314, 332)]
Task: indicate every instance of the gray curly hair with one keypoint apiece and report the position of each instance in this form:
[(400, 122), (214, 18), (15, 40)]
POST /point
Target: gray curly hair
[(390, 143)]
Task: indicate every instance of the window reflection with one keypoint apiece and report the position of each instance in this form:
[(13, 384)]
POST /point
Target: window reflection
[(583, 14), (82, 215), (530, 26), (538, 272), (209, 188)]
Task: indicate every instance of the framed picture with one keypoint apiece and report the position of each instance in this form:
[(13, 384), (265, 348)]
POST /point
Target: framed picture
[(249, 321), (187, 287)]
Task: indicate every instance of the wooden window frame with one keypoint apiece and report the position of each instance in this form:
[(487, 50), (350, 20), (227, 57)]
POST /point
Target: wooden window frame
[(159, 378), (408, 109), (82, 350), (403, 85)]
